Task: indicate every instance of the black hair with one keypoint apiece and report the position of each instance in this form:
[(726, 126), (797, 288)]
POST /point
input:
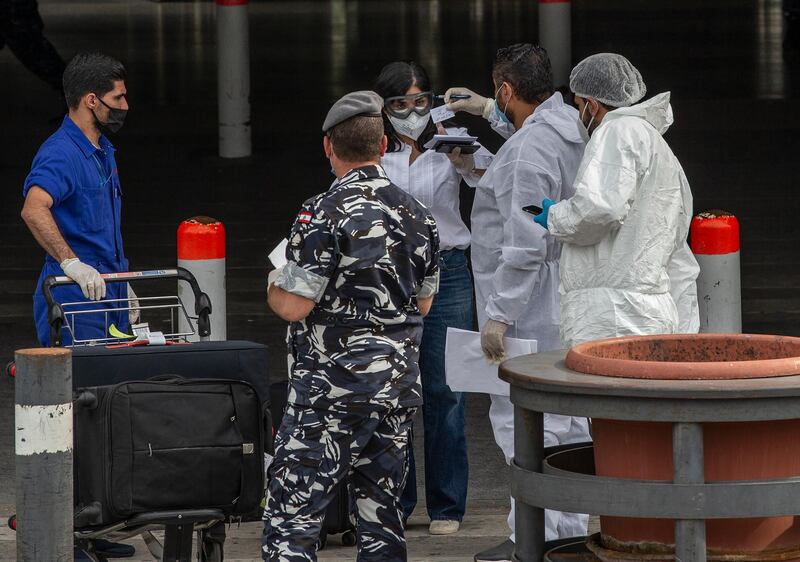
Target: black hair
[(395, 79), (90, 72), (527, 68)]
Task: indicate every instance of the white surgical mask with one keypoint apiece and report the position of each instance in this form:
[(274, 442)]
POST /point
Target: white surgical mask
[(587, 127), (412, 126)]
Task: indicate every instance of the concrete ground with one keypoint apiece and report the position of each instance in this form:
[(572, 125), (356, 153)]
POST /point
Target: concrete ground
[(482, 529), (734, 80)]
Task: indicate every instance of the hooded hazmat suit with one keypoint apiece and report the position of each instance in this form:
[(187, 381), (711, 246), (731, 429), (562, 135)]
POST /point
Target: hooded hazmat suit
[(515, 263), (626, 268)]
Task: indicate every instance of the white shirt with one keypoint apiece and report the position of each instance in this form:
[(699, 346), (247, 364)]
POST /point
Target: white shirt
[(434, 181)]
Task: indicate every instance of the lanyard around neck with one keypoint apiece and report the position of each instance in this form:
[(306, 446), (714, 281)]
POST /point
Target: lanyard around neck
[(101, 172)]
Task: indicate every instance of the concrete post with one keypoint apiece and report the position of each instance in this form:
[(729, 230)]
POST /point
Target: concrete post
[(715, 243), (689, 468), (201, 250), (233, 78), (529, 454), (43, 431), (555, 35)]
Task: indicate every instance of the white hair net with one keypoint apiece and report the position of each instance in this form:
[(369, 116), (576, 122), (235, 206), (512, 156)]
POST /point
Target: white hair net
[(609, 78)]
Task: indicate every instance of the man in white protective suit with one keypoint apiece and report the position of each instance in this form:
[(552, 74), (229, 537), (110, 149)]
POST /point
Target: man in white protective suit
[(626, 268), (514, 262)]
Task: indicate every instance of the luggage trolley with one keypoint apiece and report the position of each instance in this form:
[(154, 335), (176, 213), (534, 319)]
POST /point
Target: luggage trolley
[(63, 315), (128, 358)]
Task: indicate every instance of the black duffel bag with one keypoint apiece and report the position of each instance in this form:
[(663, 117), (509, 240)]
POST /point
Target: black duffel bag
[(172, 444)]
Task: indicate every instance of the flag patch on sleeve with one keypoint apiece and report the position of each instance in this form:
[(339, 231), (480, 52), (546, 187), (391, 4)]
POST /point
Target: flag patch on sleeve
[(304, 217)]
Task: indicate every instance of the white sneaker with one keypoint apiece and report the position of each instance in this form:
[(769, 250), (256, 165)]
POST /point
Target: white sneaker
[(443, 527)]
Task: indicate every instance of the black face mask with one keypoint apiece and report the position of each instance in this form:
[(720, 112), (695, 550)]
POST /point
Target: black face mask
[(116, 117)]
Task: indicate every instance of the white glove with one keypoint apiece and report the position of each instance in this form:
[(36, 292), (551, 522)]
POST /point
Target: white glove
[(474, 104), (87, 277), (492, 341), (464, 163), (273, 276), (133, 302)]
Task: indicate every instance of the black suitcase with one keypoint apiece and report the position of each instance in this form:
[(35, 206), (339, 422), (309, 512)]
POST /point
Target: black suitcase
[(338, 516), (177, 444), (234, 360)]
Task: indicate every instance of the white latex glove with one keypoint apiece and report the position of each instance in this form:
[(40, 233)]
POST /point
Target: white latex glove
[(464, 163), (272, 276), (492, 341), (133, 302), (87, 277), (475, 104)]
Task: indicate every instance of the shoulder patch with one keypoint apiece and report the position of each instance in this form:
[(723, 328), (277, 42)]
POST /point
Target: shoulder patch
[(304, 217)]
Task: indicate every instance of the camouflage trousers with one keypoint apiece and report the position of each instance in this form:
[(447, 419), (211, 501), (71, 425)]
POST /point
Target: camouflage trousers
[(314, 450)]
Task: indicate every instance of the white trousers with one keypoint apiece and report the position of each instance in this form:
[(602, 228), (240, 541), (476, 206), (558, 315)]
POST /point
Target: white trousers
[(558, 430)]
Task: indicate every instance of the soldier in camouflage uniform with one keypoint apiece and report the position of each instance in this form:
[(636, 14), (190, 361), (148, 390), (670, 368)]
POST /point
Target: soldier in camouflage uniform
[(362, 269)]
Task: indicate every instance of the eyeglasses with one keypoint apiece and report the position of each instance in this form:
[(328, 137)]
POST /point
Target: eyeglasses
[(402, 106)]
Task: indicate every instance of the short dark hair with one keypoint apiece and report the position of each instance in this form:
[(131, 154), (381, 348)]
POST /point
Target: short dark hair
[(527, 68), (357, 139), (90, 72), (395, 79)]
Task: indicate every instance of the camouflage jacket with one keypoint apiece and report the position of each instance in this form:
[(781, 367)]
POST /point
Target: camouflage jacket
[(363, 251)]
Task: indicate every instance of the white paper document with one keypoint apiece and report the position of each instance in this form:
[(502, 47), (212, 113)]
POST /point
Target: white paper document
[(467, 370), (278, 255), (441, 113)]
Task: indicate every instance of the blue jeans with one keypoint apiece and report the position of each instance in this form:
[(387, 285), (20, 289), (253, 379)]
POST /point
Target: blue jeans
[(446, 468)]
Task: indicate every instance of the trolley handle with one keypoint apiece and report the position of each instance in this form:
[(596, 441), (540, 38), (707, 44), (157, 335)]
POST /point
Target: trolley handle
[(202, 304)]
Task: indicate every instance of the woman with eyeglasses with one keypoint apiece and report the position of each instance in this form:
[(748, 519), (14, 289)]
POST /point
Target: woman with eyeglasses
[(434, 179)]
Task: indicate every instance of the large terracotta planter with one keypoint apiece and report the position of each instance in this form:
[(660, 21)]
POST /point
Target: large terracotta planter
[(733, 451)]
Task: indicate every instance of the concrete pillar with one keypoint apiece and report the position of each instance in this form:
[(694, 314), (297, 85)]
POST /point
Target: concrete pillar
[(688, 468), (233, 78), (201, 250), (715, 243), (43, 444), (529, 454), (555, 35)]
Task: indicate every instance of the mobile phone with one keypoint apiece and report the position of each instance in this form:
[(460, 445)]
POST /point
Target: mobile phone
[(532, 209)]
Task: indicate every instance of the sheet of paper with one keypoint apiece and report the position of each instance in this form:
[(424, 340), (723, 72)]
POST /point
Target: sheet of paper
[(441, 113), (278, 255), (467, 370)]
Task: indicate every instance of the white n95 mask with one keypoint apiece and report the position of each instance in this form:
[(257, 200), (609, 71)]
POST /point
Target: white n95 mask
[(412, 126)]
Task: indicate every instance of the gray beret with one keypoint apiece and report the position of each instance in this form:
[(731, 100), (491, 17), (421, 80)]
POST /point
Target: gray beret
[(364, 102)]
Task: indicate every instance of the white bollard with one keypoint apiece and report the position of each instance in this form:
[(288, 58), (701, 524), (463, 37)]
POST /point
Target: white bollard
[(233, 78), (201, 250), (43, 444), (555, 35), (715, 243)]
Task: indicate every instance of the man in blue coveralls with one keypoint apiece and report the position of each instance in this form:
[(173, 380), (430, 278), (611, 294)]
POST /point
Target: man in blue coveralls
[(73, 198)]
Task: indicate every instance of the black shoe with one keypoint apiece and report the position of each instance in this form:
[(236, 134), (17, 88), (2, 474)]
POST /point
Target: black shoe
[(503, 552), (108, 549)]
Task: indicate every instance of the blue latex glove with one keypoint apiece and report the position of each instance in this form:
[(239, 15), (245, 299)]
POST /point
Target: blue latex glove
[(541, 218)]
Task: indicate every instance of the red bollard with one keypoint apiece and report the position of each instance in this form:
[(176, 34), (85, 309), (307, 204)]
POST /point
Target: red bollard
[(201, 250), (715, 243)]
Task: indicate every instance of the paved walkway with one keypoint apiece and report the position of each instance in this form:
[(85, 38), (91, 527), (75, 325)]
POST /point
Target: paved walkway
[(484, 527)]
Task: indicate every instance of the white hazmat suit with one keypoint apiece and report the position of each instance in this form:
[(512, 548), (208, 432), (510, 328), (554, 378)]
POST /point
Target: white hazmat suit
[(515, 263), (626, 268)]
